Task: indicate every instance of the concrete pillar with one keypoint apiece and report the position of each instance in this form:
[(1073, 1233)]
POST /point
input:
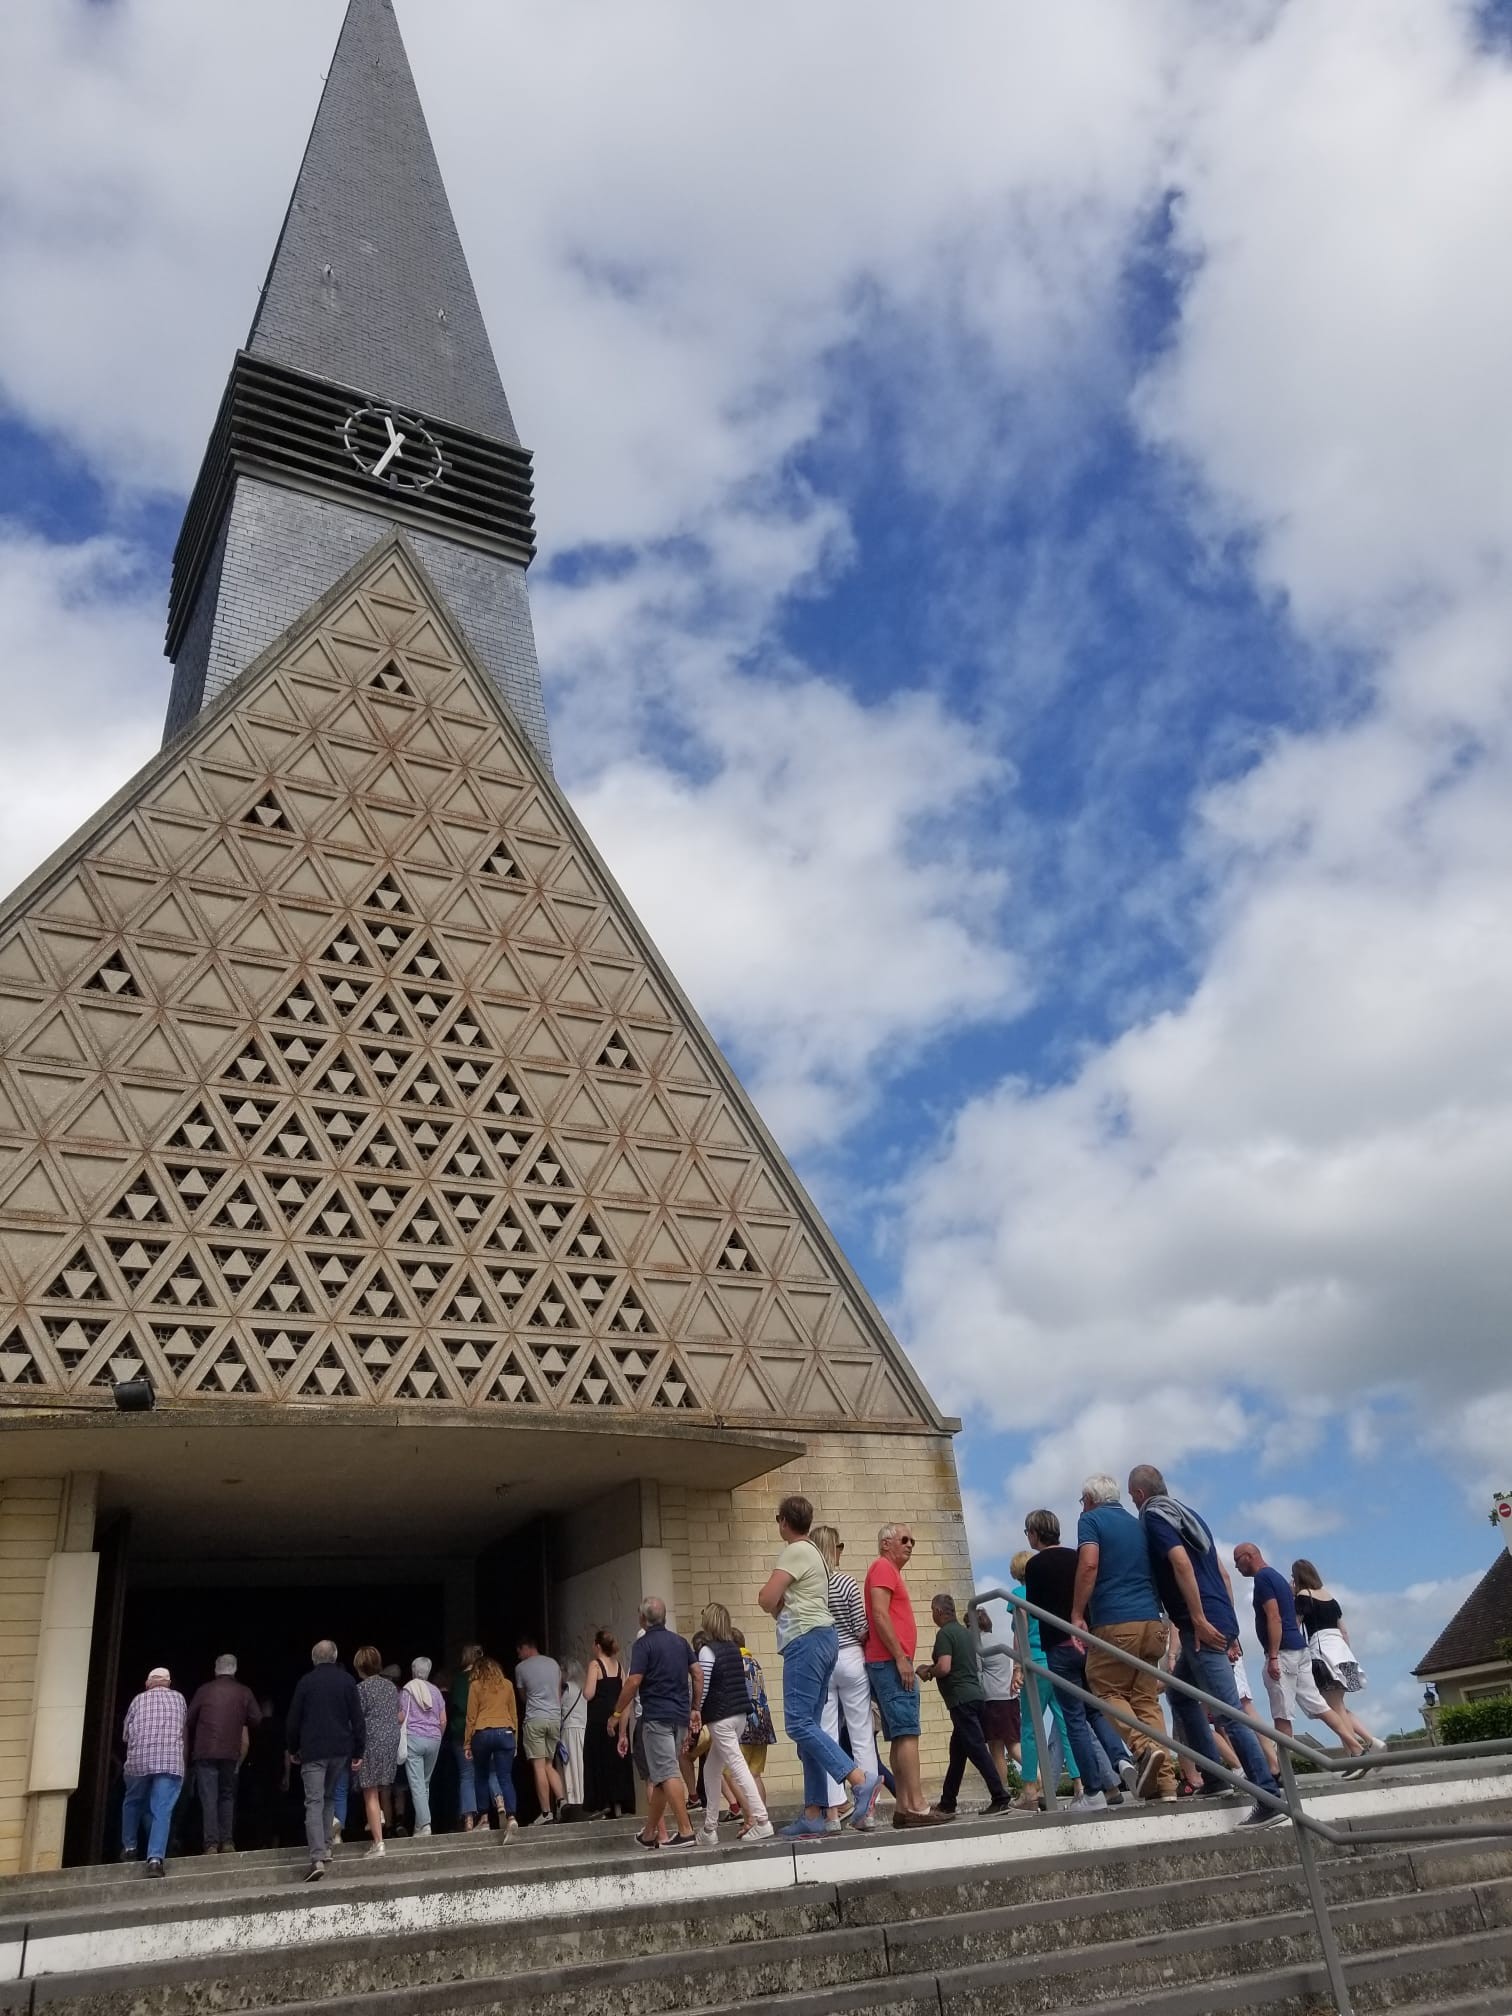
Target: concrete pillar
[(47, 1586)]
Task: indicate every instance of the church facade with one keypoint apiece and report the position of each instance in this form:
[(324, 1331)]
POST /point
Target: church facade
[(349, 1116)]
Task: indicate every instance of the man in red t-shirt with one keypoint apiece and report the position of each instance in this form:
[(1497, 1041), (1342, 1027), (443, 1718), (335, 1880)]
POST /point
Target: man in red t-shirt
[(892, 1638)]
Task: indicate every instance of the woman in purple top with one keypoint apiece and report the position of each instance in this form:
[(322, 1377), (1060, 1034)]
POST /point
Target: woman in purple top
[(422, 1710)]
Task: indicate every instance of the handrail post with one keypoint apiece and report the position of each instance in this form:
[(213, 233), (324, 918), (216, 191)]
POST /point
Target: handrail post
[(1307, 1856), (1036, 1709)]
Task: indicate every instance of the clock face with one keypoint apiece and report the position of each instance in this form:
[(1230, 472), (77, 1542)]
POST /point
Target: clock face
[(393, 447)]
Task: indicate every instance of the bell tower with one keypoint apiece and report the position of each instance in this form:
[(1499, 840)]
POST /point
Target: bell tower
[(366, 395)]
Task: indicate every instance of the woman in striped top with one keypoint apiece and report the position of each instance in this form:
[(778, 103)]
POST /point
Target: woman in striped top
[(849, 1692)]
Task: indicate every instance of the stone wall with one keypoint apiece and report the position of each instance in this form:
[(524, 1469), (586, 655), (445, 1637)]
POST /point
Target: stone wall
[(41, 1520), (724, 1545)]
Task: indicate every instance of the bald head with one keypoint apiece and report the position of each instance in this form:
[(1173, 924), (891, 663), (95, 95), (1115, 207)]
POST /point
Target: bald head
[(1248, 1559)]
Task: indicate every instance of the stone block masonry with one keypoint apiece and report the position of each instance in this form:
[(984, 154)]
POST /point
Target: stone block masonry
[(723, 1545), (281, 550)]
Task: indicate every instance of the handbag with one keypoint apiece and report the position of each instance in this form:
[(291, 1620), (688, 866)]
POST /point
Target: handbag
[(561, 1748)]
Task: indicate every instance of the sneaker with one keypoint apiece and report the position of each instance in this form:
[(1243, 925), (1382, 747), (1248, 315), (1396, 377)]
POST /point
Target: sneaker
[(1128, 1771), (901, 1819), (945, 1812), (421, 1832), (154, 1866), (864, 1809), (1090, 1802), (1147, 1773), (1265, 1816), (765, 1832), (708, 1837), (642, 1842), (683, 1841), (314, 1873), (374, 1852), (128, 1854), (510, 1828), (1007, 1804), (335, 1833), (1113, 1796), (804, 1829), (832, 1825)]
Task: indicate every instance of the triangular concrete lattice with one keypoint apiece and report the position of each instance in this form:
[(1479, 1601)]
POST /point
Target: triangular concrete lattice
[(334, 1069)]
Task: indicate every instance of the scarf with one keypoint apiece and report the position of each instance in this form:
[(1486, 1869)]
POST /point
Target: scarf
[(420, 1689), (1193, 1533)]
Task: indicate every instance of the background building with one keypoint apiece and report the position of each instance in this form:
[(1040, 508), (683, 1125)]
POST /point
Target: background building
[(1471, 1659)]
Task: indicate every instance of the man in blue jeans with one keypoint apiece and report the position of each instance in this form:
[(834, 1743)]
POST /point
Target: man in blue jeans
[(154, 1733), (1199, 1601)]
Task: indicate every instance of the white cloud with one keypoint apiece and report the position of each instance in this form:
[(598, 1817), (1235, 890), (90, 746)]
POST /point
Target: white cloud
[(80, 641), (1298, 1181), (667, 339), (1289, 1517)]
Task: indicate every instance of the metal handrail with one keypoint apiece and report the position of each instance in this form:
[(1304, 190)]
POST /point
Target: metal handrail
[(1290, 1799)]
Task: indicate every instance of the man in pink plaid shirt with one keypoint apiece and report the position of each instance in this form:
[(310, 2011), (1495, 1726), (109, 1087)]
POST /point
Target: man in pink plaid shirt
[(154, 1732)]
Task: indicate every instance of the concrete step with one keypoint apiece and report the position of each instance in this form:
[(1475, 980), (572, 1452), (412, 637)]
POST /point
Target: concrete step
[(1469, 1975), (580, 1921), (1033, 1955)]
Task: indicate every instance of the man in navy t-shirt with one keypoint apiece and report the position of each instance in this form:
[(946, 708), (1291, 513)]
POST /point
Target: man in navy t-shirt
[(665, 1681), (1195, 1591), (1115, 1593), (1289, 1683)]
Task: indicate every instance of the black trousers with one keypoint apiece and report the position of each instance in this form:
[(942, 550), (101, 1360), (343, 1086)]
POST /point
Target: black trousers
[(968, 1742), (215, 1780)]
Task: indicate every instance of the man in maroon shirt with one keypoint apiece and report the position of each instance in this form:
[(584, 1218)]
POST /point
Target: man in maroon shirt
[(219, 1725)]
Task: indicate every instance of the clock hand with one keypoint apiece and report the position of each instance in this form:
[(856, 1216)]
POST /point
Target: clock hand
[(395, 447)]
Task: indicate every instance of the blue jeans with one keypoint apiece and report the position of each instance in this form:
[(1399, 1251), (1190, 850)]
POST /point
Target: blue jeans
[(493, 1764), (341, 1797), (151, 1799), (1092, 1767), (806, 1668), (467, 1793), (1200, 1666)]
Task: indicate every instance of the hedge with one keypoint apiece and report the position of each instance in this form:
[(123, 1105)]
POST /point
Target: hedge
[(1476, 1721)]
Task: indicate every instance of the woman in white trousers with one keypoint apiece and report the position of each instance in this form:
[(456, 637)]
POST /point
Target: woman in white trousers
[(849, 1691), (574, 1729), (726, 1709)]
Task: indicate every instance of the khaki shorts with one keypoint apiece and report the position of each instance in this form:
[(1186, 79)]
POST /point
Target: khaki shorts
[(541, 1739), (755, 1757)]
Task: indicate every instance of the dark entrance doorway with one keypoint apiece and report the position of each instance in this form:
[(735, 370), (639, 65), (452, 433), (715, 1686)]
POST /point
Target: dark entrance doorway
[(270, 1629)]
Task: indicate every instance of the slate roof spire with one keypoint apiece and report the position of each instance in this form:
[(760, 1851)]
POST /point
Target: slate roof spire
[(369, 285)]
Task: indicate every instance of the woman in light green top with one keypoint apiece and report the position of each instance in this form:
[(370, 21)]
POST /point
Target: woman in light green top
[(796, 1593)]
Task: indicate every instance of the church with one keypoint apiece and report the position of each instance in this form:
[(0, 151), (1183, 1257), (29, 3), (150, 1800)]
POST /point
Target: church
[(387, 1251)]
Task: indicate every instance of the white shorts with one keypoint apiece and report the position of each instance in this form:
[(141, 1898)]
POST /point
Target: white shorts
[(1241, 1682), (1295, 1689)]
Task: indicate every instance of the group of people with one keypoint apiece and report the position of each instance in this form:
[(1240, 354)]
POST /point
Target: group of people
[(691, 1720), (1150, 1582), (360, 1730)]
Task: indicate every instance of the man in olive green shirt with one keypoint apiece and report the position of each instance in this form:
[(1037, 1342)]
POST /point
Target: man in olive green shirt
[(957, 1667)]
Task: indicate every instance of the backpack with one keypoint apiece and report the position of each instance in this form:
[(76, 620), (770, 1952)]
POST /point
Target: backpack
[(758, 1728)]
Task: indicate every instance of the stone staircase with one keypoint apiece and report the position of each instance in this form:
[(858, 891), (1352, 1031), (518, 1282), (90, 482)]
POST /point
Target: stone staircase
[(1155, 1911)]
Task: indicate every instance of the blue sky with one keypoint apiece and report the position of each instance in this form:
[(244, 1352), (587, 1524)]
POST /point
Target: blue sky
[(1029, 516)]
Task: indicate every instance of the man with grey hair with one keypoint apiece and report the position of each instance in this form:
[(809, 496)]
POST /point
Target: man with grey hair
[(662, 1672), (1115, 1595), (217, 1732), (892, 1638), (1194, 1587), (324, 1737)]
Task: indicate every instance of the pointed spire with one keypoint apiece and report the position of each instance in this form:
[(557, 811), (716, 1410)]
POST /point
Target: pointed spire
[(369, 285)]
